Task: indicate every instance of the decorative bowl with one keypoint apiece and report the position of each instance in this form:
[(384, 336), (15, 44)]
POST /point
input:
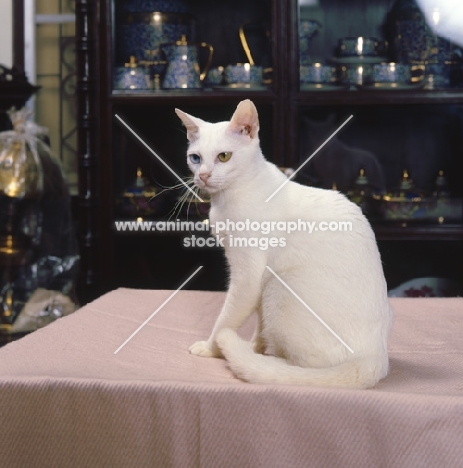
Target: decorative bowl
[(359, 46), (243, 73), (318, 73)]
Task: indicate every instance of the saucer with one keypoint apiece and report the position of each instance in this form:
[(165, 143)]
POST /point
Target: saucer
[(358, 60), (322, 87), (241, 87), (391, 86)]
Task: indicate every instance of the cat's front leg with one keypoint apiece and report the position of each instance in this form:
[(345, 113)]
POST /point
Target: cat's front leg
[(204, 349), (243, 298)]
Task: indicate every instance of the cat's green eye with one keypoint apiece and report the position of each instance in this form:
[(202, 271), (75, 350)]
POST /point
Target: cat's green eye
[(225, 156), (195, 158)]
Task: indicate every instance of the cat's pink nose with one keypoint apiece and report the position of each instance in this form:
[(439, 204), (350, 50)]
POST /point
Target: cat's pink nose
[(204, 176)]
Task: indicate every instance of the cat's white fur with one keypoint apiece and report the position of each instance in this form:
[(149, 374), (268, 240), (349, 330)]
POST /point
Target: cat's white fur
[(337, 274)]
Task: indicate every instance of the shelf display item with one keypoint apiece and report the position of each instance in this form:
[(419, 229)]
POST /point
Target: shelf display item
[(363, 195), (397, 73), (318, 73), (140, 199), (360, 47), (214, 76), (407, 203), (183, 65), (307, 30), (143, 26), (243, 74), (415, 42), (132, 76), (37, 243)]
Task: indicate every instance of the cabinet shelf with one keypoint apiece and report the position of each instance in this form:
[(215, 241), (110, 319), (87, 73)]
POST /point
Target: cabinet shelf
[(333, 98), (191, 96), (418, 232), (369, 97)]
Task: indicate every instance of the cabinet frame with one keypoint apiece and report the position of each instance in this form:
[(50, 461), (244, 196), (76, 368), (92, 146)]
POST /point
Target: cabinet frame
[(95, 120)]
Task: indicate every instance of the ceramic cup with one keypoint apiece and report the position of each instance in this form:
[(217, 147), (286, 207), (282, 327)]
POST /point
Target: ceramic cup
[(243, 73), (318, 73), (397, 73), (131, 78), (359, 46), (446, 75), (357, 75), (214, 77)]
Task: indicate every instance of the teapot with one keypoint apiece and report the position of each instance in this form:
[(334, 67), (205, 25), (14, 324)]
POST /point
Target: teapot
[(183, 70)]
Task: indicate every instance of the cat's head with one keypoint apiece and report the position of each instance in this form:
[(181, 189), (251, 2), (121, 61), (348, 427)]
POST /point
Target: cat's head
[(219, 154)]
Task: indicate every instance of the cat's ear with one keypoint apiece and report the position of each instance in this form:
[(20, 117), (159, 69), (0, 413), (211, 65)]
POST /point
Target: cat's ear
[(191, 123), (245, 119)]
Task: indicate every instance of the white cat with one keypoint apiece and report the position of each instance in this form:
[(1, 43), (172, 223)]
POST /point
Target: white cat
[(336, 274)]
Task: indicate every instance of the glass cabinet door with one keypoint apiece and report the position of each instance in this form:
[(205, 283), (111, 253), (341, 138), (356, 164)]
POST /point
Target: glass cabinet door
[(191, 45)]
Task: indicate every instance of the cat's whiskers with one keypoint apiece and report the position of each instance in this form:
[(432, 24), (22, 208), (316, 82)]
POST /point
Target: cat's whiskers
[(185, 181), (184, 197), (176, 210)]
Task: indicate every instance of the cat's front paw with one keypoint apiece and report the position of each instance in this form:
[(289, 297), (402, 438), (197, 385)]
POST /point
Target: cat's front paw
[(204, 349)]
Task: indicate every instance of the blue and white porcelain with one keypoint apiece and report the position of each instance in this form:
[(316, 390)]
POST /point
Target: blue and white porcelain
[(359, 46), (439, 75), (397, 73), (166, 6), (414, 39), (355, 74), (131, 76), (141, 33), (243, 73), (307, 30), (318, 73), (214, 76), (183, 66)]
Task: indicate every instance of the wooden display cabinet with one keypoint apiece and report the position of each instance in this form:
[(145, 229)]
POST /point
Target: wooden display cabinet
[(109, 156)]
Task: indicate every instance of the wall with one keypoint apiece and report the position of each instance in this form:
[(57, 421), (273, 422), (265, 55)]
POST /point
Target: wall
[(55, 104), (6, 32)]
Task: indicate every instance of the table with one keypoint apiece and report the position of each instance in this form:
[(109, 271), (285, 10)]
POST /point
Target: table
[(68, 400)]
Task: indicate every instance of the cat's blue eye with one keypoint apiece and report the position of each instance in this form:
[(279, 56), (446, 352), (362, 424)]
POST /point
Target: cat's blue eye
[(195, 158)]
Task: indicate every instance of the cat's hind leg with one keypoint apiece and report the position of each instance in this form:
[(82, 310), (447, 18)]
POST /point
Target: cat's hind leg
[(257, 341)]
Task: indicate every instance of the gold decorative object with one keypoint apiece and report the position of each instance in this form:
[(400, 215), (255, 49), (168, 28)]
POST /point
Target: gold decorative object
[(408, 203), (245, 45), (20, 167), (21, 184)]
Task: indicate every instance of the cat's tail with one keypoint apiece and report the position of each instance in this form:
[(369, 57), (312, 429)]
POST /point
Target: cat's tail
[(361, 372)]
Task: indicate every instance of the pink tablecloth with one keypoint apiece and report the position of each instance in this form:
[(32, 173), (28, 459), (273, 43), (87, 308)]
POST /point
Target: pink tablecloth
[(67, 400)]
